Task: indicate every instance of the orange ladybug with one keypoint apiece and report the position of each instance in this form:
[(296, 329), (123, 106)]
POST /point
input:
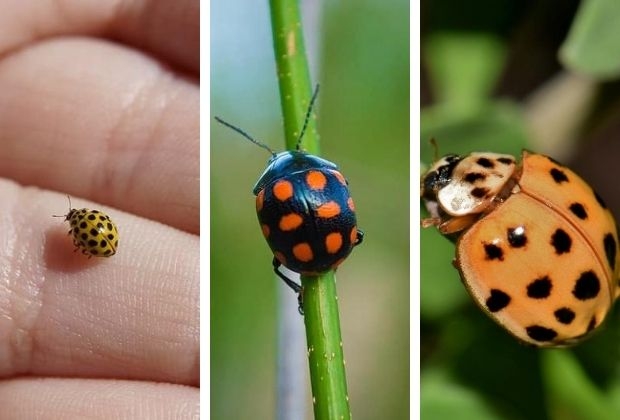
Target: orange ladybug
[(536, 247)]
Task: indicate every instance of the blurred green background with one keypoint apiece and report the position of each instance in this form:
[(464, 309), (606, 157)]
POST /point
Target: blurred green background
[(501, 75), (359, 53)]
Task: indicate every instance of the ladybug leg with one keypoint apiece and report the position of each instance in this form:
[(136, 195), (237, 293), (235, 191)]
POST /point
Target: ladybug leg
[(360, 237), (300, 303), (290, 283)]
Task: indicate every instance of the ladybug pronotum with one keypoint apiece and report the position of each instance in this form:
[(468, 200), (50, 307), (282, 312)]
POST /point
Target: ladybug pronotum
[(93, 232), (536, 247), (304, 210)]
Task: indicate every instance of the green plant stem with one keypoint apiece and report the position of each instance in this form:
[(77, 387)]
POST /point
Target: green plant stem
[(327, 373), (293, 74), (325, 353)]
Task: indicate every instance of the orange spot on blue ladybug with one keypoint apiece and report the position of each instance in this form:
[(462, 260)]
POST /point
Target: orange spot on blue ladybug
[(260, 199), (265, 229), (340, 177), (316, 180), (351, 204), (290, 222), (333, 242), (329, 209), (353, 235), (283, 190), (303, 252)]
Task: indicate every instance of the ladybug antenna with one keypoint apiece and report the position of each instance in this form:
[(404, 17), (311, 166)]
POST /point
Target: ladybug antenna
[(433, 143), (303, 128), (246, 135), (64, 215)]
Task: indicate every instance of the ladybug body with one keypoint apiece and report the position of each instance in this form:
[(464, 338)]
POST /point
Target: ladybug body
[(93, 232), (537, 248), (306, 213), (304, 209)]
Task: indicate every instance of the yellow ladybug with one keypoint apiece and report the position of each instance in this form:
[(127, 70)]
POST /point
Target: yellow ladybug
[(93, 232)]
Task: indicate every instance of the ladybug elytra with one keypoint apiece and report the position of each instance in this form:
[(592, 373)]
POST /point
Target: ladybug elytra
[(305, 211)]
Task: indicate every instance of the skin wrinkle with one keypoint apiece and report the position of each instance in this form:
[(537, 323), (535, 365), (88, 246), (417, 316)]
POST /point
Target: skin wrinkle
[(135, 22), (164, 115), (134, 106), (171, 95), (103, 182), (65, 19), (147, 21), (84, 398)]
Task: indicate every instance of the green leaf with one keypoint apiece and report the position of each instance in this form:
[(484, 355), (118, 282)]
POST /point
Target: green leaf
[(441, 291), (570, 393), (496, 127), (593, 42), (463, 67), (443, 399)]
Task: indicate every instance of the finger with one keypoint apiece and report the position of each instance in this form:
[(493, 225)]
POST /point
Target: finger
[(170, 30), (112, 126), (131, 316), (51, 398)]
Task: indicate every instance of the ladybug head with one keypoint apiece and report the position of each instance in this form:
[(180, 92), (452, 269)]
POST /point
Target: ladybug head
[(438, 175), (287, 163), (71, 211)]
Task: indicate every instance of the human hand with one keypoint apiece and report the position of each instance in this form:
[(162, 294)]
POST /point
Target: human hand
[(99, 100)]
